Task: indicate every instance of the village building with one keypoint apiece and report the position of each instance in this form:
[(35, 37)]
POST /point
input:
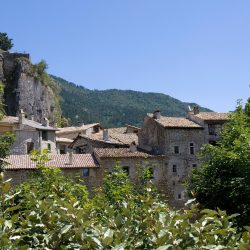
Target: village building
[(29, 135), (76, 166), (65, 136), (106, 138), (179, 140)]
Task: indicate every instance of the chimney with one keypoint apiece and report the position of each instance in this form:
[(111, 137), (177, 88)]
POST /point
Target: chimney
[(157, 114), (32, 117), (132, 147), (45, 122), (196, 110), (21, 116), (106, 135), (70, 158)]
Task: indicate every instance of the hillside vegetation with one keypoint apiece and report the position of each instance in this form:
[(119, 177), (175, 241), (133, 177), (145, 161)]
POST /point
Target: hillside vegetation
[(114, 108)]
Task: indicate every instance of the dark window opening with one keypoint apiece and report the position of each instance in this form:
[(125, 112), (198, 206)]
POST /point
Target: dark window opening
[(211, 129), (126, 169), (96, 129), (62, 149), (191, 148), (30, 147), (174, 169), (212, 142), (176, 149), (49, 147), (179, 196), (85, 172), (45, 135), (194, 165)]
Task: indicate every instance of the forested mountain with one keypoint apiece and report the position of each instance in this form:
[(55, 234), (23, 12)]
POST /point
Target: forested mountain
[(114, 108)]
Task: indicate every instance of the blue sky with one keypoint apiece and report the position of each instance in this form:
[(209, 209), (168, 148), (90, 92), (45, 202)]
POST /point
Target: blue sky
[(196, 51)]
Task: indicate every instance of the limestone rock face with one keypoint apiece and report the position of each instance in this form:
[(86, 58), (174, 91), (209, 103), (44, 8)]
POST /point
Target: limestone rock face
[(24, 90)]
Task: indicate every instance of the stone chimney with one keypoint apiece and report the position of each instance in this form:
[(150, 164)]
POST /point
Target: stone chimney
[(21, 116), (196, 110), (70, 158), (132, 147), (32, 117), (157, 114), (45, 122), (106, 135)]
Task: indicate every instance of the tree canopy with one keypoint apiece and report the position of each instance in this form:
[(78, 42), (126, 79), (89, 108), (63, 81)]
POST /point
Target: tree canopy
[(224, 179), (5, 42)]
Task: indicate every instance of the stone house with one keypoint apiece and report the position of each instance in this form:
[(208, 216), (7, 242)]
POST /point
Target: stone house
[(132, 160), (106, 138), (65, 136), (29, 134), (179, 140), (84, 166)]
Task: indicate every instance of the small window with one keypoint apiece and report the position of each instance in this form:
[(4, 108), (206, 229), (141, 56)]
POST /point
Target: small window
[(45, 135), (49, 147), (176, 149), (211, 129), (194, 165), (179, 196), (30, 147), (126, 169), (62, 149), (212, 142), (174, 169), (191, 148), (173, 183), (85, 172)]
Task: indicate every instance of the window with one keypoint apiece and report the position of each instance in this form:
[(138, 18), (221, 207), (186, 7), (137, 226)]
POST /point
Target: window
[(179, 196), (62, 149), (191, 148), (211, 129), (174, 169), (212, 142), (45, 135), (194, 165), (173, 183), (49, 147), (85, 172), (126, 169), (176, 149), (30, 147)]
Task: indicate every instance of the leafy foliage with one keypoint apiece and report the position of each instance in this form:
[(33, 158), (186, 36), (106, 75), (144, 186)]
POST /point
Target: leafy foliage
[(114, 108), (51, 212), (5, 42), (224, 179), (6, 140)]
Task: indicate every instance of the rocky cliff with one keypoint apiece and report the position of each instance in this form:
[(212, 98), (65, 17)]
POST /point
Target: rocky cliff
[(27, 88)]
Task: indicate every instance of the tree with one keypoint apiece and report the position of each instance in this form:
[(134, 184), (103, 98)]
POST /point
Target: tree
[(224, 178), (5, 42)]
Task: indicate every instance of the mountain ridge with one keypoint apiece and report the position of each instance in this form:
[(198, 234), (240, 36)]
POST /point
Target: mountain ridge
[(114, 107)]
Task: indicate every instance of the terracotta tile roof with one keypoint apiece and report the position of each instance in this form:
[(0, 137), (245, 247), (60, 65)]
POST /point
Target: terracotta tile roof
[(122, 153), (15, 162), (213, 116), (116, 136), (15, 120), (9, 120), (68, 130), (176, 122)]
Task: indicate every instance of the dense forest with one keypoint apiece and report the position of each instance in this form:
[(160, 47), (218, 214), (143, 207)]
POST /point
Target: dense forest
[(114, 108)]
